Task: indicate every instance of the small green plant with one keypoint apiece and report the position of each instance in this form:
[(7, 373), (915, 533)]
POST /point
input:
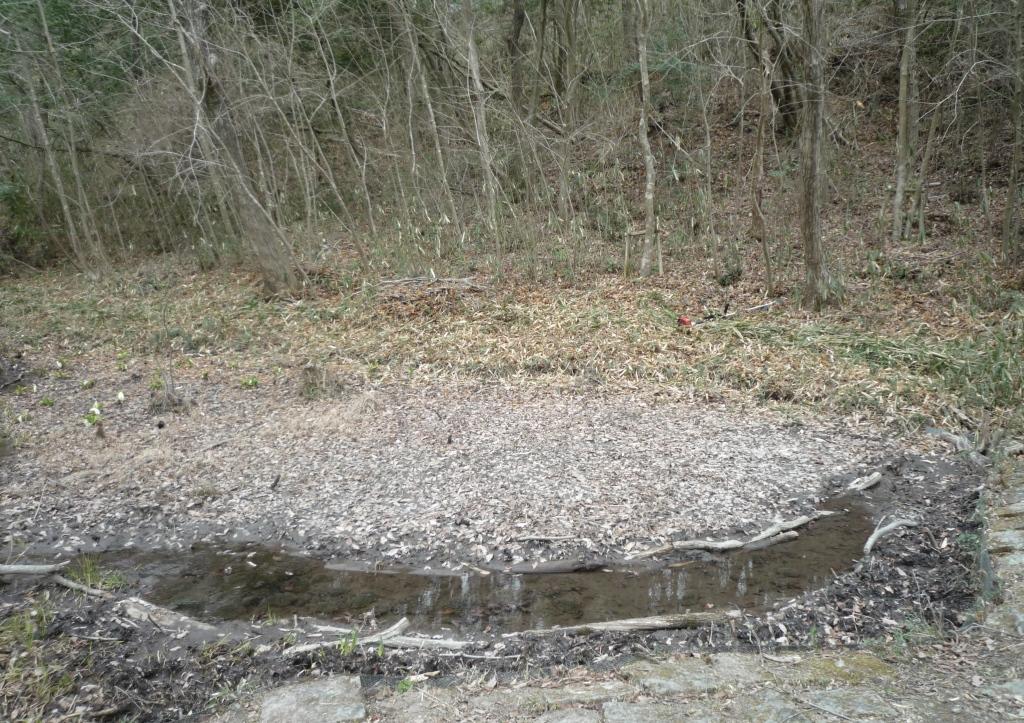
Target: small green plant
[(156, 383), (46, 402), (20, 389), (87, 571), (250, 383), (405, 685), (94, 416), (349, 644), (88, 383)]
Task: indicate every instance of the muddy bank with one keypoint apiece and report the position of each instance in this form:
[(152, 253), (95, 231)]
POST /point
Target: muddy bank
[(920, 575)]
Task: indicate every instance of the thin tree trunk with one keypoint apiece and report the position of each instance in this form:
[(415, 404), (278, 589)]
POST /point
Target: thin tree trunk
[(818, 284), (541, 75), (642, 25), (478, 101), (759, 228), (904, 131), (428, 101), (217, 133), (81, 257), (1011, 221), (515, 53)]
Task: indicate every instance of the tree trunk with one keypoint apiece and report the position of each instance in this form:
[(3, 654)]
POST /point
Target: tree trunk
[(904, 132), (818, 284), (758, 227), (478, 101), (642, 25), (515, 53), (1011, 222), (223, 149)]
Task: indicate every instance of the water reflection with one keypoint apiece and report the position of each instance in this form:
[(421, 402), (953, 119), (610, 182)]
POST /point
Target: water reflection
[(257, 582)]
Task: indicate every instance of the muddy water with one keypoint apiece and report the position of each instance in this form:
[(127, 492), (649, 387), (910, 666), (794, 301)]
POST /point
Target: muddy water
[(258, 582)]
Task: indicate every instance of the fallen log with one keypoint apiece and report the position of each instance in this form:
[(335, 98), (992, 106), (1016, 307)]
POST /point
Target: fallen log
[(761, 544), (656, 622), (791, 525), (769, 533), (881, 532), (556, 567), (72, 585), (138, 609), (32, 569), (377, 638), (406, 641), (863, 483)]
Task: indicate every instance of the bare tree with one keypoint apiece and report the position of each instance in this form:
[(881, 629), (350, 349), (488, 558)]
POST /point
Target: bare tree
[(819, 287), (1011, 221), (650, 221), (905, 141)]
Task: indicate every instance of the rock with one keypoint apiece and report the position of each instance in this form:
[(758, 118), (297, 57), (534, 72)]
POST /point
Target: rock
[(859, 704), (765, 706), (329, 700), (690, 676), (852, 668), (426, 705), (570, 715), (539, 700), (1006, 541), (644, 712), (1014, 510), (1011, 562), (1007, 619), (1009, 689)]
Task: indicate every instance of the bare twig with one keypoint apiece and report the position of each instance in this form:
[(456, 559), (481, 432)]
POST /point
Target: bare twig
[(770, 533), (72, 585), (377, 638), (863, 483), (881, 532), (32, 569), (656, 622)]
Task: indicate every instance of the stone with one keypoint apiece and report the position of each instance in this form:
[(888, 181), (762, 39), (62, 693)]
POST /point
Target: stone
[(1009, 689), (852, 668), (330, 700), (764, 706), (691, 676), (420, 705), (1006, 618), (618, 712), (1006, 541), (1010, 562), (860, 704), (570, 715), (1014, 510), (540, 700)]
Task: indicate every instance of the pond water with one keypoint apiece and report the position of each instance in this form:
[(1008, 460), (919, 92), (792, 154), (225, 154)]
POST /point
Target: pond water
[(261, 582)]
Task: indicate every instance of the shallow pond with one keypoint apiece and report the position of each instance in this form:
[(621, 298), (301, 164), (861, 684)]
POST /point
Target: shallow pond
[(261, 582)]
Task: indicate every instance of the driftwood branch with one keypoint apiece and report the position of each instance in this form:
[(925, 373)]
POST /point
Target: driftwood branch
[(72, 585), (33, 569), (776, 539), (790, 525), (656, 622), (138, 609), (774, 533), (881, 532), (863, 483), (378, 638)]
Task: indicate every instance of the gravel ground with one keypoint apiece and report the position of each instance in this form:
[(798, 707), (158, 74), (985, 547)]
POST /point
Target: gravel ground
[(446, 474)]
